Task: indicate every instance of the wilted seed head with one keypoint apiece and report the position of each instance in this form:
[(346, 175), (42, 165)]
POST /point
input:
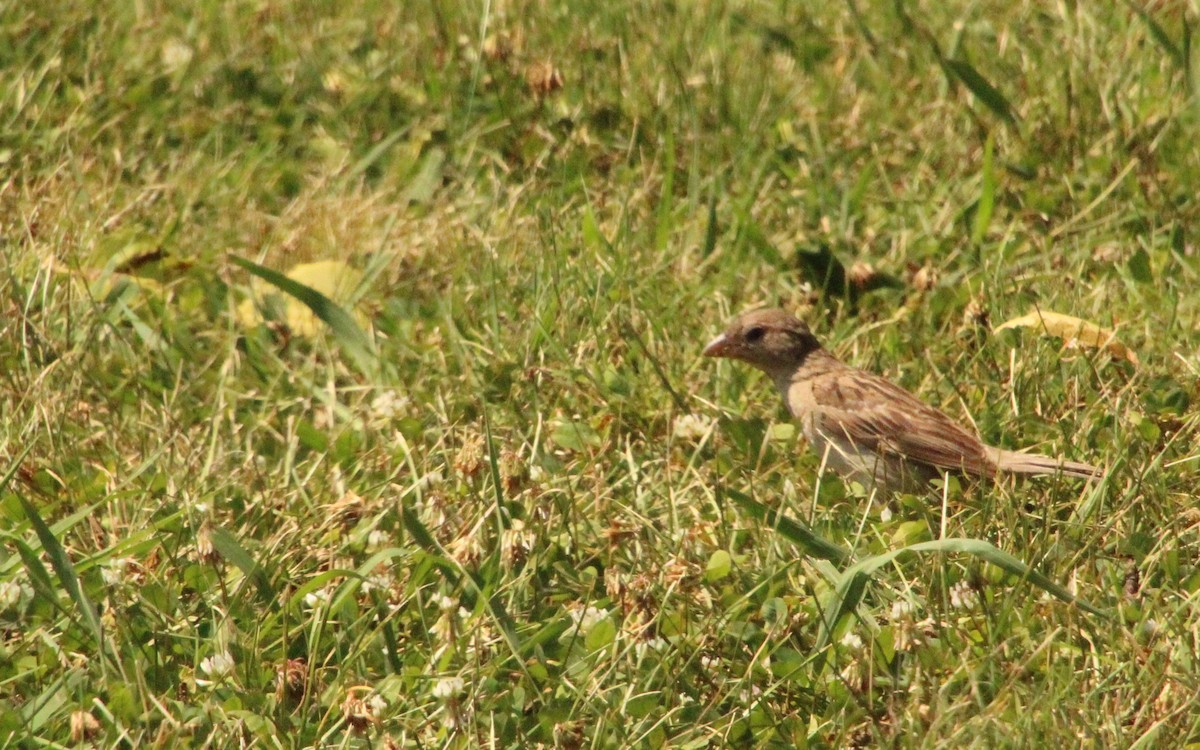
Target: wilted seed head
[(925, 278), (205, 552), (618, 531), (515, 544), (641, 587), (469, 461), (347, 509), (83, 726), (569, 735), (1133, 580), (543, 78), (513, 471), (500, 46), (614, 583), (860, 274), (359, 711), (679, 570), (467, 550), (975, 315), (291, 681)]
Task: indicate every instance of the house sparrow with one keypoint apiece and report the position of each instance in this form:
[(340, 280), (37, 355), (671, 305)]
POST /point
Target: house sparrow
[(864, 427)]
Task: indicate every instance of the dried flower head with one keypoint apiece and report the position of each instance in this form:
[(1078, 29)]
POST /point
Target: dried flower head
[(861, 274), (358, 710), (291, 681), (543, 78), (469, 461), (975, 315), (513, 471), (925, 278), (515, 544), (467, 550), (83, 726), (205, 552)]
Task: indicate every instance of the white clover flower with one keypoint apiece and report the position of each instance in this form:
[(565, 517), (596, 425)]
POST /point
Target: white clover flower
[(388, 404), (445, 603), (218, 666), (113, 571), (655, 644), (692, 427), (852, 641), (318, 598), (430, 480), (10, 594), (376, 705), (536, 472), (175, 54), (380, 581), (586, 618), (901, 609), (448, 687), (962, 596), (377, 539)]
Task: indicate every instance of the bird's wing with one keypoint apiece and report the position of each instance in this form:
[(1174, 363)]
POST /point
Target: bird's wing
[(878, 415)]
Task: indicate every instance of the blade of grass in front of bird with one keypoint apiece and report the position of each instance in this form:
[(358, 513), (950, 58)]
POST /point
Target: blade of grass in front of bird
[(790, 528), (851, 586)]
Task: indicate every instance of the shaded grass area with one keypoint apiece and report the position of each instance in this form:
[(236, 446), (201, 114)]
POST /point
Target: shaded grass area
[(533, 525)]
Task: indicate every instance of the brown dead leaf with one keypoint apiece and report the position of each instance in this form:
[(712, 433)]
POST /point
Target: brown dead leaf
[(1074, 331)]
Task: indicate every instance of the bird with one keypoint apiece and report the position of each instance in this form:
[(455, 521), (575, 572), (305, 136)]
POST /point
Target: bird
[(863, 426)]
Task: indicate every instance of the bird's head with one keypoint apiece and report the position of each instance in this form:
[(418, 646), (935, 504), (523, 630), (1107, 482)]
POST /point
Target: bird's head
[(771, 340)]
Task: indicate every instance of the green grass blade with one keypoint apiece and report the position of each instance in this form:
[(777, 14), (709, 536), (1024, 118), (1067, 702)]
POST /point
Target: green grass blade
[(711, 228), (851, 586), (61, 562), (427, 179), (232, 550), (1160, 35), (475, 585), (351, 338), (795, 531), (39, 577), (982, 88), (666, 198), (377, 152), (987, 195)]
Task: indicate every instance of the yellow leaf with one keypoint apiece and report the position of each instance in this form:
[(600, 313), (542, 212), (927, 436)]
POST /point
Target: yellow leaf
[(332, 278), (1074, 331)]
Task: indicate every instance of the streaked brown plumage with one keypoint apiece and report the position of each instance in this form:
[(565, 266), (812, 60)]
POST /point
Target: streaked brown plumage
[(863, 426)]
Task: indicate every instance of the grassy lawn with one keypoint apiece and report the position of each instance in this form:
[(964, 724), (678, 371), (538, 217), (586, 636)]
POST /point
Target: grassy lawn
[(495, 497)]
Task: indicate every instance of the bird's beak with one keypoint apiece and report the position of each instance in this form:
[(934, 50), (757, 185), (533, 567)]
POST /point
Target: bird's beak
[(718, 347)]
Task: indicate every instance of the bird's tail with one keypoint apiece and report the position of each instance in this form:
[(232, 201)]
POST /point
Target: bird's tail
[(1034, 463)]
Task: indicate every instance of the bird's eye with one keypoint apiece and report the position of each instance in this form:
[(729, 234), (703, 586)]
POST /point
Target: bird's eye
[(755, 333)]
